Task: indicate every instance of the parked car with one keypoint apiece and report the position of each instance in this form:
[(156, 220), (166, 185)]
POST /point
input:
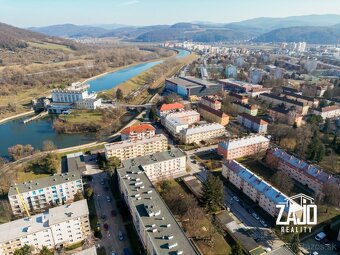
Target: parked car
[(113, 213), (236, 198), (263, 223), (121, 235), (255, 216), (320, 236), (108, 199), (113, 253)]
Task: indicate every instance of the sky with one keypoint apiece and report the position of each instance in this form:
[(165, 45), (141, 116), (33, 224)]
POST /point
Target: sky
[(28, 13)]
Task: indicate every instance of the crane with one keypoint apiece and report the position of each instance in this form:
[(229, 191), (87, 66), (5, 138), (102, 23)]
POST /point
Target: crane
[(22, 202)]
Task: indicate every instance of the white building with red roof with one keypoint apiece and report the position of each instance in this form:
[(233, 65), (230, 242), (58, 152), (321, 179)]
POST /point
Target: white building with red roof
[(170, 108), (328, 112), (138, 132)]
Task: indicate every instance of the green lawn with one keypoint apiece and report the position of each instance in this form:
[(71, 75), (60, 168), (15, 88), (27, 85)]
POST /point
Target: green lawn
[(23, 176), (82, 116), (50, 46)]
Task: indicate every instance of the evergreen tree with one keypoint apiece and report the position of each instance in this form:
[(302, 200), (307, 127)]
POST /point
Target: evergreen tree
[(25, 250), (119, 94), (153, 114), (45, 251), (295, 244), (236, 250), (212, 193)]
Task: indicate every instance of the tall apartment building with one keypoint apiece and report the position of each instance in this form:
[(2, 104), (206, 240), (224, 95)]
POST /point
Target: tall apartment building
[(175, 122), (45, 192), (312, 176), (257, 189), (202, 133), (328, 112), (299, 107), (136, 148), (241, 147), (138, 132), (213, 115), (165, 109), (59, 226), (252, 123), (155, 225), (211, 102), (160, 165)]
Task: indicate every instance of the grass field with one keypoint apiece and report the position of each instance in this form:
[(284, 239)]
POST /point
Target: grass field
[(49, 46), (23, 176), (82, 116)]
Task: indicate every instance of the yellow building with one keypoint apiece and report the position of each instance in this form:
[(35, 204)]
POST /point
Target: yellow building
[(213, 115)]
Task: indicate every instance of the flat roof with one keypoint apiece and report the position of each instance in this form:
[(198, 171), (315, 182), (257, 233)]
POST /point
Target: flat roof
[(89, 251), (39, 222), (194, 184), (283, 250), (156, 157), (75, 162), (44, 182), (133, 142), (161, 227), (182, 114), (284, 99), (190, 81)]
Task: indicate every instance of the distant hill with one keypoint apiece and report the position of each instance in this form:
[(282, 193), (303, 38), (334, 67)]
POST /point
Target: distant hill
[(309, 34), (70, 30), (12, 38), (268, 24)]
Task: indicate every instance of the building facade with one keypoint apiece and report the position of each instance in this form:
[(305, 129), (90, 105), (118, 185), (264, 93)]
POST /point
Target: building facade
[(138, 132), (45, 192), (59, 226), (328, 112), (310, 101), (165, 109), (247, 108), (290, 117), (175, 122), (257, 189), (312, 176), (252, 123), (242, 147), (136, 148), (202, 133), (211, 102), (213, 115)]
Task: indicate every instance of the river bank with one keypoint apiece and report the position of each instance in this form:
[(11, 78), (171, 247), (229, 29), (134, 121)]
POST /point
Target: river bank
[(16, 116)]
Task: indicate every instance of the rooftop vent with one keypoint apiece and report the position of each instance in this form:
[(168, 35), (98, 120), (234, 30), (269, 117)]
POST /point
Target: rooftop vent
[(179, 252), (170, 237), (170, 246), (168, 225)]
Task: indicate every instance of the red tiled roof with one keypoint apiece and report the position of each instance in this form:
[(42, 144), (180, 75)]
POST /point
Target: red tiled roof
[(330, 108), (137, 129), (213, 111), (211, 99), (168, 107)]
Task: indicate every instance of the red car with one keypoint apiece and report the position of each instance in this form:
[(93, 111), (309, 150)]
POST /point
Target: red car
[(113, 213), (106, 227)]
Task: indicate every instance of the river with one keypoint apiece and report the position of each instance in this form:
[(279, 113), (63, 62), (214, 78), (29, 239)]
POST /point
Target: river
[(15, 132)]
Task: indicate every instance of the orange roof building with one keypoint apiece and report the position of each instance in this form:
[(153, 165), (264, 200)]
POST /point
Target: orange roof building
[(138, 132), (169, 108)]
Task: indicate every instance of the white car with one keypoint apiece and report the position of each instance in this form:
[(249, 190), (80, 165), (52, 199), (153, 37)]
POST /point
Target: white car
[(263, 223), (236, 199), (255, 216), (319, 237)]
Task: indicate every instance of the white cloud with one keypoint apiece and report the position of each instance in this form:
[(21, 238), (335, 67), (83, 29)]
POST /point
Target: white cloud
[(129, 2)]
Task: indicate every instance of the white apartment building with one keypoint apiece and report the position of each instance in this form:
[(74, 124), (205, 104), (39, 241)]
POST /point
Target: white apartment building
[(160, 165), (257, 189), (175, 122), (136, 148), (155, 225), (328, 112), (252, 123), (202, 133), (89, 103), (45, 192), (241, 147), (59, 226), (174, 125)]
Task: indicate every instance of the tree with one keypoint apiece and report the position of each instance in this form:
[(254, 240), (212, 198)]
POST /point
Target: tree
[(20, 151), (282, 181), (78, 196), (25, 250), (88, 192), (153, 114), (171, 98), (331, 194), (236, 250), (48, 145), (294, 244), (212, 190), (119, 94), (45, 251), (113, 162), (51, 163)]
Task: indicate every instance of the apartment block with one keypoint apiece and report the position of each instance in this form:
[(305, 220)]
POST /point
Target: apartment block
[(300, 107), (310, 101), (238, 86), (161, 165), (59, 226), (312, 176), (165, 109), (282, 115), (202, 133), (211, 102), (138, 132), (257, 189), (252, 123), (155, 225), (175, 122), (238, 98), (247, 108), (136, 148), (242, 147), (213, 115), (328, 112), (42, 193)]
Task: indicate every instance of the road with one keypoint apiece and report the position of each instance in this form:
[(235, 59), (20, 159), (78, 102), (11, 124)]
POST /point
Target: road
[(110, 239)]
